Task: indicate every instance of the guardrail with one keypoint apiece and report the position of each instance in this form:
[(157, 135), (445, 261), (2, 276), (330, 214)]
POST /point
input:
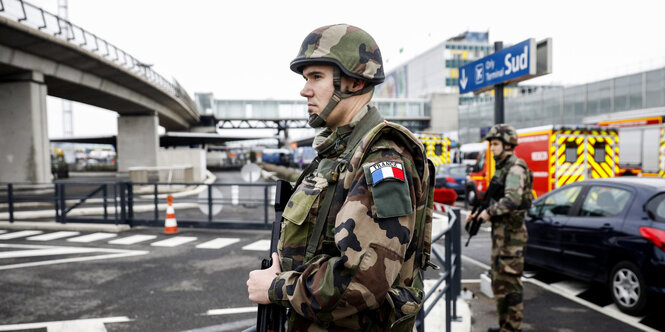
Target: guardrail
[(245, 205), (145, 204), (40, 19), (451, 260)]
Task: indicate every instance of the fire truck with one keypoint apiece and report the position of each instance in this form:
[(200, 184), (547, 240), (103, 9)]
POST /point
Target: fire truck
[(642, 145), (437, 147), (557, 155)]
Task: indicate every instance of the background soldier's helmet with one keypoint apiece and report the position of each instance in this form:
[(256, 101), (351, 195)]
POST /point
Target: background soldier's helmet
[(504, 132), (353, 50)]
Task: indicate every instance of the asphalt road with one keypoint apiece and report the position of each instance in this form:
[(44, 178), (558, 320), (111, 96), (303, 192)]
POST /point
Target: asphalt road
[(146, 287), (159, 289), (552, 302)]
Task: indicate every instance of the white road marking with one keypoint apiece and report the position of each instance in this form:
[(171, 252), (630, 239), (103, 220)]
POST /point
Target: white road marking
[(261, 245), (175, 241), (133, 239), (44, 252), (618, 315), (231, 326), (52, 236), (107, 254), (92, 237), (571, 286), (608, 310), (17, 235), (217, 243), (91, 324), (231, 311), (2, 231), (615, 310)]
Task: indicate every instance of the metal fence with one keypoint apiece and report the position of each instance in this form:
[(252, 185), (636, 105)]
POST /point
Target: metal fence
[(217, 205), (451, 259), (250, 205), (40, 19)]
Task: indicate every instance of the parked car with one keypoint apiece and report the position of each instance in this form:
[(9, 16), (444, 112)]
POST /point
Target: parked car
[(609, 230), (452, 176)]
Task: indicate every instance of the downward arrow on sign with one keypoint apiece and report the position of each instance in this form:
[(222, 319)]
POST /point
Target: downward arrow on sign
[(463, 80)]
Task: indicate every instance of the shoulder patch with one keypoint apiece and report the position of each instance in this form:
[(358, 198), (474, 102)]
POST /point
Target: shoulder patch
[(386, 171)]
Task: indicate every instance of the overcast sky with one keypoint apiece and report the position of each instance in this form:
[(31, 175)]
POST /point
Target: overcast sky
[(241, 49)]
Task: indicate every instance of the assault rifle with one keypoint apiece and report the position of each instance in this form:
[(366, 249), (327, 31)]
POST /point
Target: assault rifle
[(479, 206), (272, 317)]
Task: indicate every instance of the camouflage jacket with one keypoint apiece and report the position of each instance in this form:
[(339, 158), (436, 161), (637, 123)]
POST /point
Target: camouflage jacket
[(363, 271), (510, 205)]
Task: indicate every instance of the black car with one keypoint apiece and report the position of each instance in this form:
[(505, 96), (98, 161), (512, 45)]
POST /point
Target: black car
[(610, 231), (452, 176)]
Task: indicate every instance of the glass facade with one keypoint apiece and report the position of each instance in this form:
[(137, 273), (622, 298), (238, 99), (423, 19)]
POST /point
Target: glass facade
[(569, 105)]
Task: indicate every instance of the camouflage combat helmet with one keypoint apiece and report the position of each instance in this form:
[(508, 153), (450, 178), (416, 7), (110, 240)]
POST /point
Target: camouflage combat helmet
[(351, 51), (506, 133)]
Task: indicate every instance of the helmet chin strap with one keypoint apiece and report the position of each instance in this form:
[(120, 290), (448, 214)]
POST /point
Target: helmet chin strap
[(319, 120), (503, 152)]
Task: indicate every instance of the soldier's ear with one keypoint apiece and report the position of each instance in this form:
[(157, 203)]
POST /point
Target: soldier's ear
[(357, 85)]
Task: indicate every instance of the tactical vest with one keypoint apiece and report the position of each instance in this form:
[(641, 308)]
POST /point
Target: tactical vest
[(502, 173), (309, 217)]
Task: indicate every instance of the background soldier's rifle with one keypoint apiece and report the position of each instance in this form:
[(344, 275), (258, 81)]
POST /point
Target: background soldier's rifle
[(272, 317), (479, 206)]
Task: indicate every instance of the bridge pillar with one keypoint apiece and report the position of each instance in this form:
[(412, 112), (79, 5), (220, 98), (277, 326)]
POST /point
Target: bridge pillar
[(138, 141), (24, 147)]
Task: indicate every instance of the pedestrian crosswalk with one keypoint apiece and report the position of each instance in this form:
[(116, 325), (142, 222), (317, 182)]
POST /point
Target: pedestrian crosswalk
[(118, 239)]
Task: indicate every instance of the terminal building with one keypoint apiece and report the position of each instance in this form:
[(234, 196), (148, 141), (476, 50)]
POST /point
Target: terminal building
[(631, 96), (422, 94)]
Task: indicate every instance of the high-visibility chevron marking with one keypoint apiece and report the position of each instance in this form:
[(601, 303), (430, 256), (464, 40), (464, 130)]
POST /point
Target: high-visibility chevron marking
[(16, 235), (92, 237), (52, 236)]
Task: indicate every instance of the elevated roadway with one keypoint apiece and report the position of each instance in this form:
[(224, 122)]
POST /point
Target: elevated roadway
[(42, 54)]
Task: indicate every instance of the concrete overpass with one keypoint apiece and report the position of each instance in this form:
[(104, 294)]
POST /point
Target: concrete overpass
[(42, 54)]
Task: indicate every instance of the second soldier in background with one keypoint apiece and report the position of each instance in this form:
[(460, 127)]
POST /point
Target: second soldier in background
[(509, 234)]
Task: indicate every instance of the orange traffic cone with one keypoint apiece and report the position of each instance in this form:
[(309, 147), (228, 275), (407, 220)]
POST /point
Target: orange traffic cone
[(170, 224)]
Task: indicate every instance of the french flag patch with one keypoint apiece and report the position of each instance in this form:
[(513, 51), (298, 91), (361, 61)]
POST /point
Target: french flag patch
[(386, 170)]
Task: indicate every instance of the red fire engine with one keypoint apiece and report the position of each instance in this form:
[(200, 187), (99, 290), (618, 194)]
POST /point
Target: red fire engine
[(557, 155)]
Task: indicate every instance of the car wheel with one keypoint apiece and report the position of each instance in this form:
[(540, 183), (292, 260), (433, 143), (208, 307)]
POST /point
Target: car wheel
[(469, 197), (627, 288)]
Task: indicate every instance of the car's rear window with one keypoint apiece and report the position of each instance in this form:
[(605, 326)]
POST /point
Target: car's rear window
[(656, 208), (458, 171)]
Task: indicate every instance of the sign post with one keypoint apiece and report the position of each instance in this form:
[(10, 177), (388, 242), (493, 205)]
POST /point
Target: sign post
[(498, 93), (516, 63)]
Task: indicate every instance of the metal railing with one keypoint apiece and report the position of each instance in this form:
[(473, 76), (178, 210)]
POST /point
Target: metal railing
[(451, 260), (247, 205), (145, 204), (40, 19)]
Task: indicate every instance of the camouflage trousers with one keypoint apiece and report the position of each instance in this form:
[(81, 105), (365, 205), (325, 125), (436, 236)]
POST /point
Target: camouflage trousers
[(508, 290)]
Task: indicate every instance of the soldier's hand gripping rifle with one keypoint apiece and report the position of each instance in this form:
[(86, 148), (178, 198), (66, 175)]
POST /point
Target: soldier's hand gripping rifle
[(272, 317), (479, 206)]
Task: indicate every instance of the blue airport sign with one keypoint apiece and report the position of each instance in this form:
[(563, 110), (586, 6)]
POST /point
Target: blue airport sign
[(509, 65)]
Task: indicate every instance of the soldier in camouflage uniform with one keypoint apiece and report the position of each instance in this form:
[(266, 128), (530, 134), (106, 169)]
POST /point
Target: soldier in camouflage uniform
[(507, 212), (356, 232)]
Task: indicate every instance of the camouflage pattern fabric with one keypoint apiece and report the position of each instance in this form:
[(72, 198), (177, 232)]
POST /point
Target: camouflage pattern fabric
[(509, 237), (364, 275), (352, 49), (504, 132)]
